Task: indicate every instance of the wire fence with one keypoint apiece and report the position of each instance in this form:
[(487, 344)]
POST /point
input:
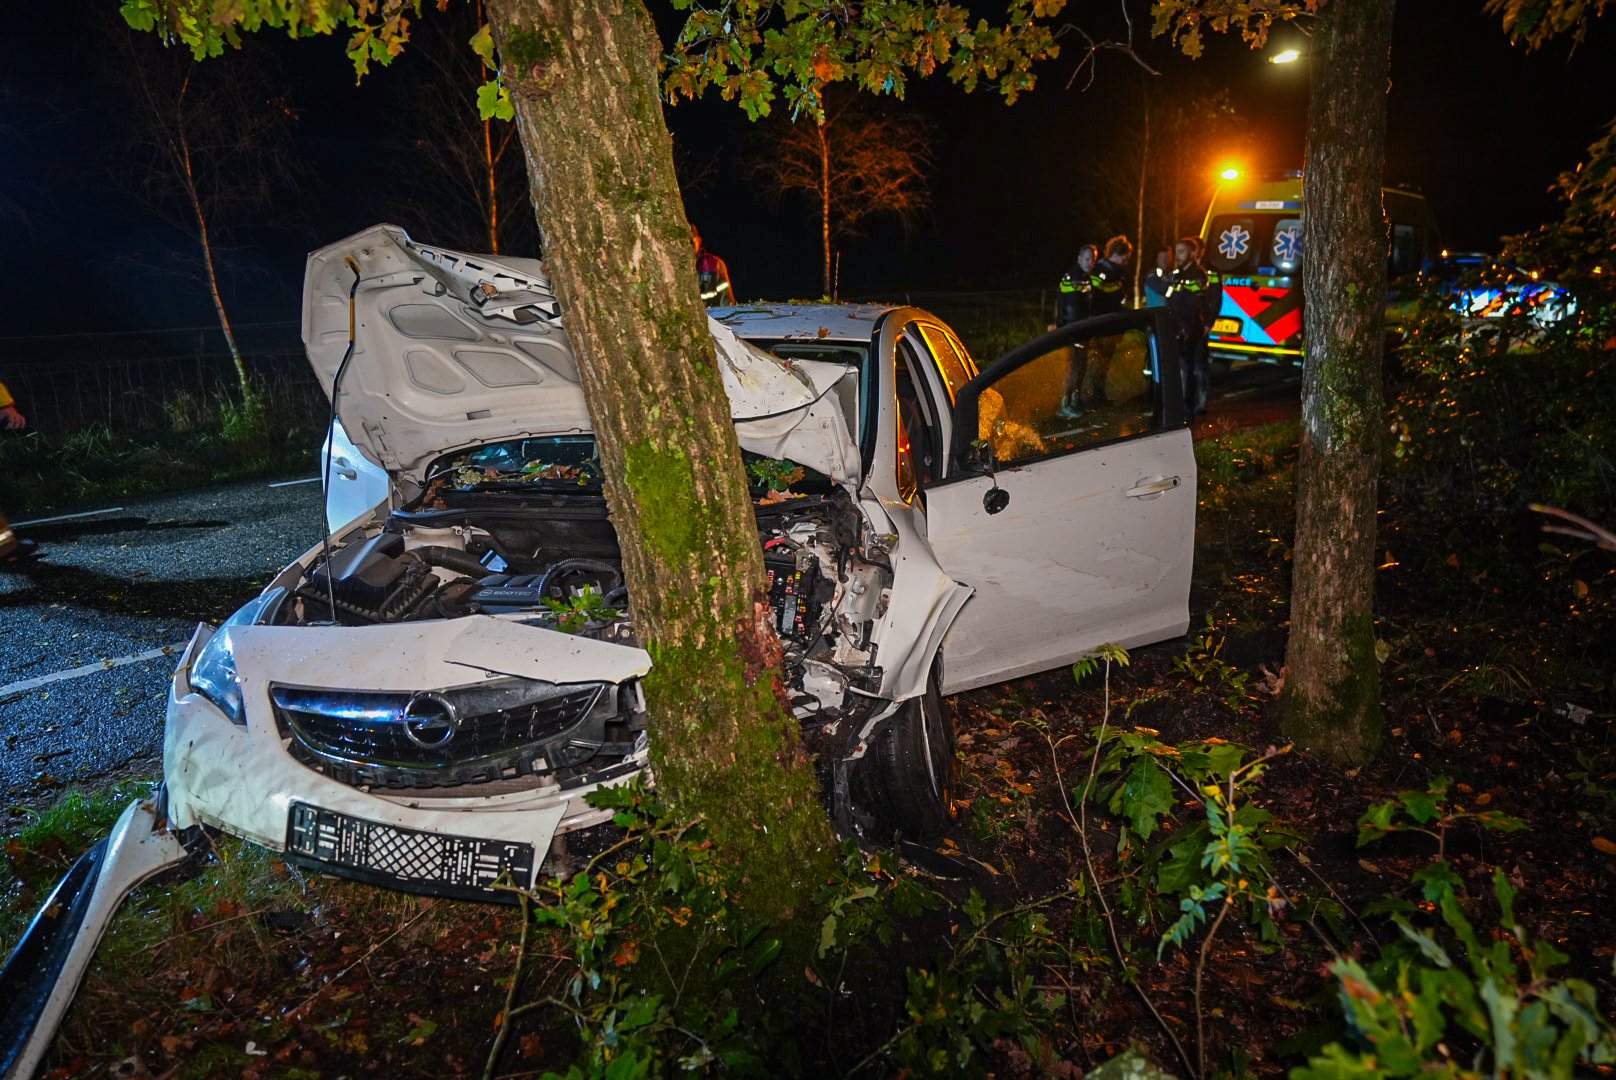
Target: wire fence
[(990, 322), (139, 383)]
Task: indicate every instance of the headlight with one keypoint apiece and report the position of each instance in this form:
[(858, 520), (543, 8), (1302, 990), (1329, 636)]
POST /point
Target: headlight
[(213, 672)]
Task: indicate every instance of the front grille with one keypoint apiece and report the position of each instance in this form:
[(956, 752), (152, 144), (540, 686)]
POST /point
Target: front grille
[(398, 739)]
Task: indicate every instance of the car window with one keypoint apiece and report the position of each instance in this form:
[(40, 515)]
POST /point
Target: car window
[(919, 434), (1254, 244), (1407, 251), (952, 360), (1073, 397), (1285, 250)]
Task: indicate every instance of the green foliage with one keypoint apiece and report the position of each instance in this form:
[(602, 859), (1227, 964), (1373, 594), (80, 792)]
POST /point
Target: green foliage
[(1100, 659), (1577, 250), (1210, 675), (494, 101), (1487, 421), (984, 996), (378, 29), (1444, 1002), (1251, 19), (660, 894), (185, 439), (754, 52), (583, 609), (1174, 862), (1537, 22), (1429, 812), (751, 52), (771, 474)]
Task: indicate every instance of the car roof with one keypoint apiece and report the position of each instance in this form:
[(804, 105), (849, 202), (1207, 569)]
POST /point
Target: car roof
[(774, 321)]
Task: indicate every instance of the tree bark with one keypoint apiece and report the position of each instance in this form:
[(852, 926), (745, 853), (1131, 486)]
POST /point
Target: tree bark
[(1331, 701), (824, 204), (583, 79)]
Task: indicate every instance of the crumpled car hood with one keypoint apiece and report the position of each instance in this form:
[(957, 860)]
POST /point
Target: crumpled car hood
[(454, 350)]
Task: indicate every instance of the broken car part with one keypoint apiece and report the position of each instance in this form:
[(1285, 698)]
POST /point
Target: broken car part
[(42, 975)]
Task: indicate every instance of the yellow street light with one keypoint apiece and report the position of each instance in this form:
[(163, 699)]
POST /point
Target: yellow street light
[(1288, 56), (1230, 173)]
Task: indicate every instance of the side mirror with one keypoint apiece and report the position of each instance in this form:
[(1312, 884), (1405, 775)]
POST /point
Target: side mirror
[(995, 498)]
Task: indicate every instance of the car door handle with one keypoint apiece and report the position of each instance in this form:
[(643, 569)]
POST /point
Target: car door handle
[(345, 470), (1152, 487)]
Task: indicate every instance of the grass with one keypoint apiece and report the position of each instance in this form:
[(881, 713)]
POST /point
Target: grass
[(203, 440), (42, 850)]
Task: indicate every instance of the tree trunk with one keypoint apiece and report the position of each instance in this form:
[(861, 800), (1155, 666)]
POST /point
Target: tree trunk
[(181, 148), (489, 165), (583, 78), (1331, 701), (824, 206), (1139, 224), (490, 160)]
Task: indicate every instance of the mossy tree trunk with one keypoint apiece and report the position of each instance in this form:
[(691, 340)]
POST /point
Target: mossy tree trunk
[(1331, 700), (583, 78)]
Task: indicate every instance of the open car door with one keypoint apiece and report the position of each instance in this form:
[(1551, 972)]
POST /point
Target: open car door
[(1070, 504)]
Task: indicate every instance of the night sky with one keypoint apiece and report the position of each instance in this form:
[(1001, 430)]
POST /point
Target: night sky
[(1480, 126)]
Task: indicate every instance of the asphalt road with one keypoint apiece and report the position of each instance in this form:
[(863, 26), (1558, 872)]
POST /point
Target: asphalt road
[(107, 592), (83, 678)]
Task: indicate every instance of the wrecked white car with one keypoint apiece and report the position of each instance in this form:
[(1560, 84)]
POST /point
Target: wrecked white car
[(425, 700)]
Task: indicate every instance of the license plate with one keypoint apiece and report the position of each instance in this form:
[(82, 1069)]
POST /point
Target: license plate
[(405, 858), (1226, 326)]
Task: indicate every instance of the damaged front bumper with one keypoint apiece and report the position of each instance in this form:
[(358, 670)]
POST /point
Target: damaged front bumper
[(255, 779), (42, 975)]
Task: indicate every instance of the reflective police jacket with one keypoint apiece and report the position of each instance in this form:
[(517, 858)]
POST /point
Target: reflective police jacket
[(1077, 291), (1110, 283), (1187, 291)]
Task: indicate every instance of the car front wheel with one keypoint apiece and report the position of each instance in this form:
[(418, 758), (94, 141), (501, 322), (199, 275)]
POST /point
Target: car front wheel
[(908, 771)]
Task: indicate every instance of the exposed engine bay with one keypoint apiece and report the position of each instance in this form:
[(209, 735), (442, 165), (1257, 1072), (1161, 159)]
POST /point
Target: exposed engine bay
[(544, 551)]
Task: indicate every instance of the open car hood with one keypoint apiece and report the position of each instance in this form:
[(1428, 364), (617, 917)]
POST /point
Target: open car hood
[(454, 350)]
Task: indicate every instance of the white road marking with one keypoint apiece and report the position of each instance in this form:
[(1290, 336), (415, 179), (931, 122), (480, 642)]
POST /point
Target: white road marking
[(289, 483), (88, 669), (67, 517)]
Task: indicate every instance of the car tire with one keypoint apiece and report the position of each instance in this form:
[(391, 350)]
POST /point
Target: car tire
[(909, 769)]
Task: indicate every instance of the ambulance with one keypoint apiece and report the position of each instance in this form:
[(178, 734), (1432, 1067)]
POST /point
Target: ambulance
[(1253, 235)]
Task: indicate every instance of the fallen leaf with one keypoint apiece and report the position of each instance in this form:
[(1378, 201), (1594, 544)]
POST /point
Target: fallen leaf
[(1607, 846)]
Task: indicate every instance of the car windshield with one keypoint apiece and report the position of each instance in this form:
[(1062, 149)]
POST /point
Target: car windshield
[(854, 355), (571, 463)]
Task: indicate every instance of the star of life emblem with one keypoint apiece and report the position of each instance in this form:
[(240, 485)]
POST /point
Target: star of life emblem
[(1288, 245), (1233, 242)]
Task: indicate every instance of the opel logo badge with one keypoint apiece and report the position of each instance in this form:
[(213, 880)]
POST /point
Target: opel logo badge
[(430, 721)]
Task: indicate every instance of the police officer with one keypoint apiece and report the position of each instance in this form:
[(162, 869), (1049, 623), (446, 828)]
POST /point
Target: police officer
[(712, 273), (1107, 294), (1156, 280), (1187, 291), (1111, 276), (1077, 286)]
